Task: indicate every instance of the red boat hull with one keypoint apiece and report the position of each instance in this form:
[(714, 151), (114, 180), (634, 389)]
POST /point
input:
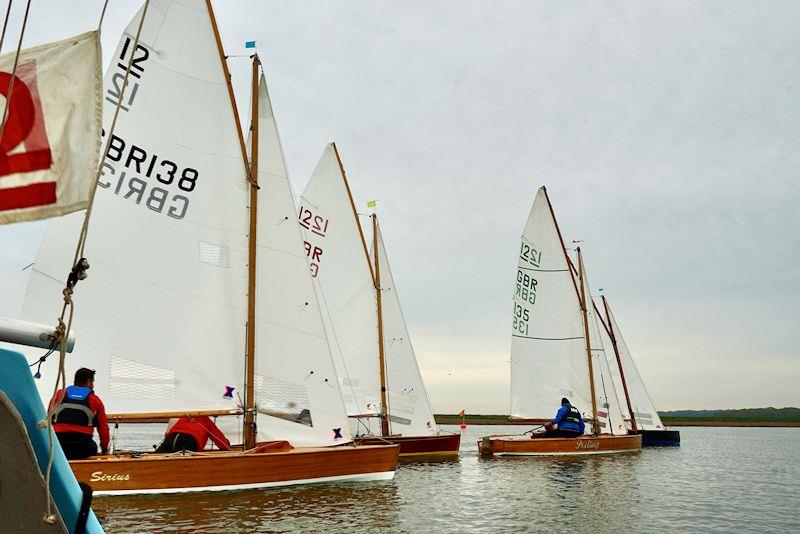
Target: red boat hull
[(441, 445)]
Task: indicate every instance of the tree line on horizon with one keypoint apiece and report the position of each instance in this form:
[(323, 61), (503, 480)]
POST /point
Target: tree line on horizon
[(787, 414)]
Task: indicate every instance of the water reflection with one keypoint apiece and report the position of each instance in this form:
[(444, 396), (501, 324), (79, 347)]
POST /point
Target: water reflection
[(719, 479), (315, 507)]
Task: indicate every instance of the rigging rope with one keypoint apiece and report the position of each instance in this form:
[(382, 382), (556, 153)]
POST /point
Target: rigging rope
[(79, 262), (5, 24), (79, 250), (103, 15)]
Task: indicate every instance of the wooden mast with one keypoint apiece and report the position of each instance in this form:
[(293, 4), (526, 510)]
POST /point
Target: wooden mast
[(582, 301), (376, 281), (250, 376), (355, 213), (584, 311), (613, 336), (381, 354), (249, 408), (226, 72), (561, 239)]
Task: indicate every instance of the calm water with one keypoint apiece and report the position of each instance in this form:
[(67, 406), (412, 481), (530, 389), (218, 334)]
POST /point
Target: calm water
[(747, 479)]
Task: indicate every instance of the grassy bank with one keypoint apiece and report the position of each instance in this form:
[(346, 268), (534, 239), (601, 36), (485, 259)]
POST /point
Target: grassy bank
[(683, 420)]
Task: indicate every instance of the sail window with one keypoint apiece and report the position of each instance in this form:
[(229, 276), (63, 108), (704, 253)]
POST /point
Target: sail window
[(283, 399), (213, 254), (130, 379), (401, 406)]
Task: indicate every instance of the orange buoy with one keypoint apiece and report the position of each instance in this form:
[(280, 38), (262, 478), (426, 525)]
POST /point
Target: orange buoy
[(463, 426)]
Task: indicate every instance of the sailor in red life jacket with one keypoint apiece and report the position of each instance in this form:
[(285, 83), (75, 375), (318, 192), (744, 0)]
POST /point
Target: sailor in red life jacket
[(78, 412), (191, 433)]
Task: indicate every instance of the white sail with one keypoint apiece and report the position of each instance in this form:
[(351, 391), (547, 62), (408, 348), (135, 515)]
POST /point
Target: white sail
[(410, 411), (161, 316), (340, 265), (548, 352), (609, 412), (644, 409), (297, 390)]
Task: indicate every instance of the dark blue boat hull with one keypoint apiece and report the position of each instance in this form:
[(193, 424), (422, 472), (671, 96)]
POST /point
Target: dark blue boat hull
[(660, 438)]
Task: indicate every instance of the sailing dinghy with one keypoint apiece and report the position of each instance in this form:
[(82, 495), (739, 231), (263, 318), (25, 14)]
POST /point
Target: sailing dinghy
[(195, 293), (556, 350), (639, 409), (381, 382)]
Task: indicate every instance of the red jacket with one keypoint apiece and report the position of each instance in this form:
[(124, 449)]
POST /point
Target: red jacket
[(201, 428), (100, 419)]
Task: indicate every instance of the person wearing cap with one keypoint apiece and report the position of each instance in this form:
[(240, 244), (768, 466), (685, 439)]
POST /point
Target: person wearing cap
[(568, 422), (78, 411)]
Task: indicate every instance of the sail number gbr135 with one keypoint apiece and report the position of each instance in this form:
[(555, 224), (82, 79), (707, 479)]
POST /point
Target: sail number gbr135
[(525, 293), (521, 318)]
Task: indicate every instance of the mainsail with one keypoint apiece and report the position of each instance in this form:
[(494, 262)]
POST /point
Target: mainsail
[(297, 390), (161, 318), (409, 407), (346, 279), (548, 355), (339, 262), (644, 409), (548, 348)]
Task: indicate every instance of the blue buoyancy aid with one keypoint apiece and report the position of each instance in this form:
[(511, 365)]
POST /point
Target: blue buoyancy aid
[(74, 408), (569, 418)]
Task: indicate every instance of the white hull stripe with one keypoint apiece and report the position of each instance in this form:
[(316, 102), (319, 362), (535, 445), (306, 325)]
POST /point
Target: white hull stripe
[(581, 453), (361, 477)]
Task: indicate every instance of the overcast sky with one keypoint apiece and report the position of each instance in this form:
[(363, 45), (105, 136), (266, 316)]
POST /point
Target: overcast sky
[(666, 133)]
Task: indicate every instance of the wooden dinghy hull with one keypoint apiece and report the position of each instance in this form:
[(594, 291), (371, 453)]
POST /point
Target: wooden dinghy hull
[(279, 465), (411, 446), (660, 438), (524, 446)]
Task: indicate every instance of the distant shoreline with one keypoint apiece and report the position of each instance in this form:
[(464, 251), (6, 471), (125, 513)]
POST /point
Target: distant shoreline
[(443, 419)]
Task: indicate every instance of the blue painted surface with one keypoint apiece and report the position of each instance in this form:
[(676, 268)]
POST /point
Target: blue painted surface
[(16, 381), (661, 438), (661, 444)]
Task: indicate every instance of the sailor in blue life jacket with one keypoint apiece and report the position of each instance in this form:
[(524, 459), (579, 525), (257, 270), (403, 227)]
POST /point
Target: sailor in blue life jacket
[(569, 421)]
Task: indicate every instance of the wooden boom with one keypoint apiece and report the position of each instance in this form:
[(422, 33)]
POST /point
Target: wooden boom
[(159, 417)]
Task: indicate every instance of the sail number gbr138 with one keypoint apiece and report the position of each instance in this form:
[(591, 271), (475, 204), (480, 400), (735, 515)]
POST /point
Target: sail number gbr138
[(147, 178), (131, 170)]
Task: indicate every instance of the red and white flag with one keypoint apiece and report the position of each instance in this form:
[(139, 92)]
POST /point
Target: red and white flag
[(51, 139)]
